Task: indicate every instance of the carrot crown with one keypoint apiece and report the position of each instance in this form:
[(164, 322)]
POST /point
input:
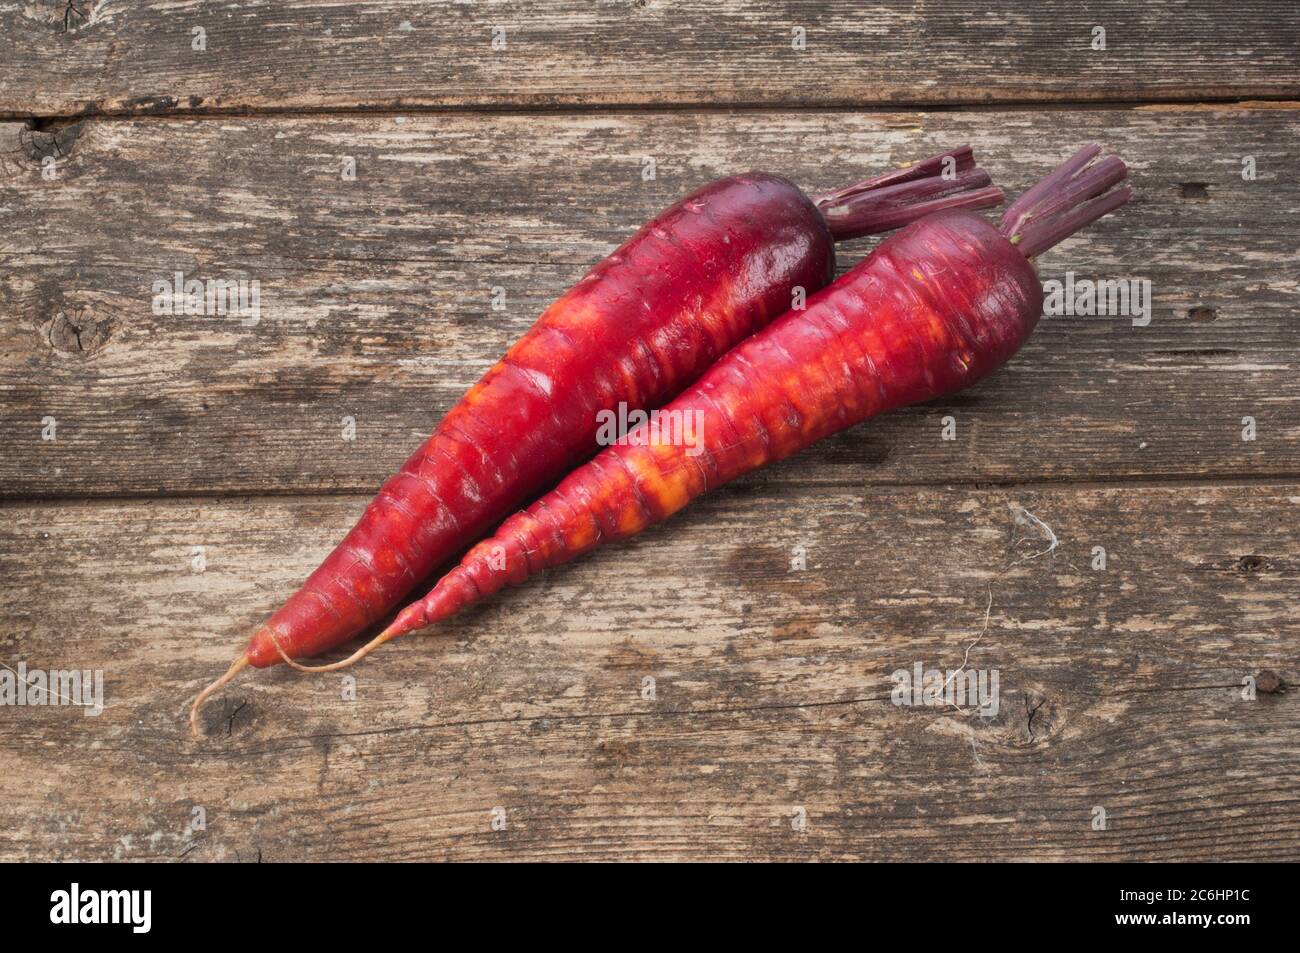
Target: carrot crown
[(1072, 196), (891, 200)]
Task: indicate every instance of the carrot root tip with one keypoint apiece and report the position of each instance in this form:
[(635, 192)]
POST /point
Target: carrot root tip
[(236, 667)]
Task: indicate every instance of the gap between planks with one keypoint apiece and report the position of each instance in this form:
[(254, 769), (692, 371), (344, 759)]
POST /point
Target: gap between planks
[(1283, 101), (1225, 482)]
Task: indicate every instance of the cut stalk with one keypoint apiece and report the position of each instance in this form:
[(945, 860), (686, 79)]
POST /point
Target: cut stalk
[(1067, 199), (884, 202)]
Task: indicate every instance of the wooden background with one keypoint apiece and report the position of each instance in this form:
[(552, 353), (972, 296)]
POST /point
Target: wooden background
[(127, 155)]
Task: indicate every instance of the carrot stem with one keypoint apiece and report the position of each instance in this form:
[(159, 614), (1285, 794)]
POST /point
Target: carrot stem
[(1017, 210), (1036, 238), (1071, 196), (893, 199), (239, 665)]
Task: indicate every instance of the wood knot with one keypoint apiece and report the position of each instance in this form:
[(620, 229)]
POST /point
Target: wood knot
[(78, 331), (1202, 313), (1269, 682), (1252, 563), (78, 14), (1041, 719), (42, 140), (1194, 190)]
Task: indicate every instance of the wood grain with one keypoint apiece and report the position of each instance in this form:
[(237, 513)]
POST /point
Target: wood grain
[(376, 292), (97, 56), (1119, 688), (198, 471)]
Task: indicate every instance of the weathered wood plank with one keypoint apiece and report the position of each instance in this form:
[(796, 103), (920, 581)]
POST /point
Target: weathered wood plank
[(375, 293), (93, 56), (1119, 688)]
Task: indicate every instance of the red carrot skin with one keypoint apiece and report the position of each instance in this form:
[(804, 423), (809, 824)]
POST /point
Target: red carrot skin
[(931, 311), (642, 325), (706, 273)]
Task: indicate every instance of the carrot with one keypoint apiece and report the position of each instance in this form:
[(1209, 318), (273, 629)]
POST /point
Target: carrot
[(931, 311), (643, 324)]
